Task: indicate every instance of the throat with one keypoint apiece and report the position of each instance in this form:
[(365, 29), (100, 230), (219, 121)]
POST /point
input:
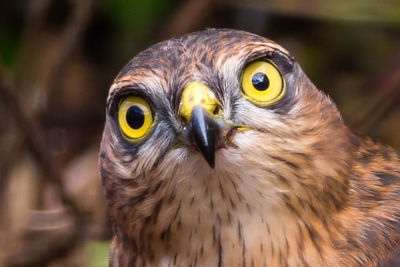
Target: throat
[(199, 235), (218, 223)]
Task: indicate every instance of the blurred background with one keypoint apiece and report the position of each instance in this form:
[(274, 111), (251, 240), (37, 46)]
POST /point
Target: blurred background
[(58, 59)]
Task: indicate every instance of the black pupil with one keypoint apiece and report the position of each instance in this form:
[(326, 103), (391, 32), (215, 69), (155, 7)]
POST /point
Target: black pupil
[(260, 81), (135, 117)]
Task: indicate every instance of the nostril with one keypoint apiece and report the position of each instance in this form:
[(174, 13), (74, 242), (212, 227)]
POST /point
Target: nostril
[(184, 120), (216, 110)]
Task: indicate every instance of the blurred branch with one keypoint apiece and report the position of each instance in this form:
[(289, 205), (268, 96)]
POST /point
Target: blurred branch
[(386, 84), (40, 252), (43, 249), (44, 72), (187, 18), (36, 14), (11, 148), (32, 134), (34, 140), (68, 40), (386, 11)]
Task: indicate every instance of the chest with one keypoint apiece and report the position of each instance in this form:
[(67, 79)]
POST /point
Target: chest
[(224, 229)]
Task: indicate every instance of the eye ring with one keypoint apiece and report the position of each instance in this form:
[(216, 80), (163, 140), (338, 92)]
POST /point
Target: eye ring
[(262, 83), (135, 118)]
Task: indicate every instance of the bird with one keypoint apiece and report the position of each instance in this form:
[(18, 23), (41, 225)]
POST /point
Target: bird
[(218, 150)]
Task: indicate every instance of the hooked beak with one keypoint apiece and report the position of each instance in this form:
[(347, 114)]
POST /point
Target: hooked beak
[(205, 133), (204, 129)]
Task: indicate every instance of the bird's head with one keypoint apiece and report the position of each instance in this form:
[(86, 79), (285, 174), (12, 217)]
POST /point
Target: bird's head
[(222, 108)]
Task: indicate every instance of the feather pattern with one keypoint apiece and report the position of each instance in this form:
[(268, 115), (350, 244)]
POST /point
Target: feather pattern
[(297, 189)]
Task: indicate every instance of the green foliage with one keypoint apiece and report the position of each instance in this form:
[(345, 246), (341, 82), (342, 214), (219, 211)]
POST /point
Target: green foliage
[(137, 14), (98, 253), (9, 45)]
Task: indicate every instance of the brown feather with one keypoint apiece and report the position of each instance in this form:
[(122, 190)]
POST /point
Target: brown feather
[(298, 189)]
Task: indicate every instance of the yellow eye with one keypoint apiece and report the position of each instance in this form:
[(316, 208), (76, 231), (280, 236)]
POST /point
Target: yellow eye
[(262, 83), (134, 117)]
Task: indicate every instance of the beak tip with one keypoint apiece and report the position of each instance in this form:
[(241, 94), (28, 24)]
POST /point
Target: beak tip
[(203, 132), (209, 156), (211, 163)]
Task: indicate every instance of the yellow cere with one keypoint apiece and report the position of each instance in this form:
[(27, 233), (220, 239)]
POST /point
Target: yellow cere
[(134, 117), (262, 83), (197, 94)]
